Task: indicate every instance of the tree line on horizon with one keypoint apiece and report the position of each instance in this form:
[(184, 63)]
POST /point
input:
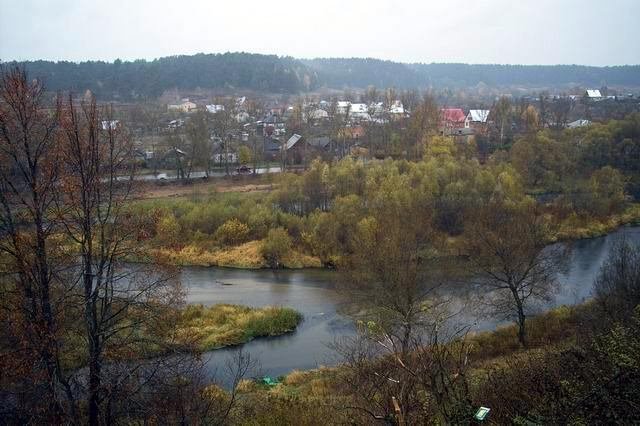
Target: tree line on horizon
[(141, 79)]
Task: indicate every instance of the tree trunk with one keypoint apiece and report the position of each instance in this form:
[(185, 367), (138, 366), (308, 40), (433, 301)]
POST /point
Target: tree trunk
[(522, 332)]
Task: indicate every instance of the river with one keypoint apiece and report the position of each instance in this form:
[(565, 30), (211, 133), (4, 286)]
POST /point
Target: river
[(312, 292)]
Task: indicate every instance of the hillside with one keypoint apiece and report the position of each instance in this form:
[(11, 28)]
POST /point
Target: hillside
[(274, 74), (358, 72)]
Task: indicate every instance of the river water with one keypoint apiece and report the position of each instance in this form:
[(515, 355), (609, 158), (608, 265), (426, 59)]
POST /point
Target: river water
[(313, 293)]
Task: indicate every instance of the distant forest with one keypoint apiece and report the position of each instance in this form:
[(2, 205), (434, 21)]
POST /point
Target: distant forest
[(274, 74)]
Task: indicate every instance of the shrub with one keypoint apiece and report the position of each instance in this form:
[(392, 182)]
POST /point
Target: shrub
[(232, 232), (168, 230), (276, 246)]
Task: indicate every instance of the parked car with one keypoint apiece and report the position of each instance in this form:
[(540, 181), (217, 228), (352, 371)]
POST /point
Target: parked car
[(243, 169), (161, 176)]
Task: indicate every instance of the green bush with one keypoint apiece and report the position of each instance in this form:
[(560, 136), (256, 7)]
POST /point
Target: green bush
[(276, 246)]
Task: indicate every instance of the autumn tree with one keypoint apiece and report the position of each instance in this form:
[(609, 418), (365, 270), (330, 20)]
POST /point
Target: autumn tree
[(423, 124), (530, 119), (396, 363), (503, 116)]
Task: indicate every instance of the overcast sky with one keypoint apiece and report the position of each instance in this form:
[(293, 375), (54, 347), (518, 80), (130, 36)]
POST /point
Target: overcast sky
[(591, 32)]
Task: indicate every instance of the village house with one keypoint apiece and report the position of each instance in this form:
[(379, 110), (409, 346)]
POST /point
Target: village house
[(214, 108), (219, 153), (318, 114), (271, 148), (477, 120), (110, 124), (343, 107), (185, 106), (321, 145), (578, 123), (242, 117), (593, 94), (359, 112), (296, 149), (451, 120), (174, 124), (397, 109)]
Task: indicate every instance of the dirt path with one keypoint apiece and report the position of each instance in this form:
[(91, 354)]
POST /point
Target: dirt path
[(204, 187)]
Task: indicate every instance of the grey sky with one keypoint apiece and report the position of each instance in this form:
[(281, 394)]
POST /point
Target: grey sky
[(591, 32)]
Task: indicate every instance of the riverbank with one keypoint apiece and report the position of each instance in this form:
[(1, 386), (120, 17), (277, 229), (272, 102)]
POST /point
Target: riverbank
[(312, 394), (243, 256), (248, 255), (578, 228)]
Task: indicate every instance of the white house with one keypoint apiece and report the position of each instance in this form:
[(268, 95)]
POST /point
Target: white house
[(110, 124), (578, 123), (397, 108), (343, 106), (594, 94), (359, 111), (231, 157), (476, 117), (185, 106), (318, 114), (242, 117), (213, 108)]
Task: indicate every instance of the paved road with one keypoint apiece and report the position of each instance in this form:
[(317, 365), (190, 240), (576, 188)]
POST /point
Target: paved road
[(196, 175)]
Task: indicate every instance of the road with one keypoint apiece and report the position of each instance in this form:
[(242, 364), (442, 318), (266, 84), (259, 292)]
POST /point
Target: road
[(196, 175)]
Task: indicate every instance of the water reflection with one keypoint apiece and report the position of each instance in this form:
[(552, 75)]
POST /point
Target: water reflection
[(312, 292)]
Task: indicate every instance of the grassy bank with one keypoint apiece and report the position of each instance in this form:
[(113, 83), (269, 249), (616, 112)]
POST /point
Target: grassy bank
[(245, 256), (223, 325), (576, 227)]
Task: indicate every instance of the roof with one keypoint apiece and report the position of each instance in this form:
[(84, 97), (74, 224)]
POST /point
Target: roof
[(352, 132), (271, 144), (318, 113), (213, 108), (397, 108), (320, 142), (453, 115), (292, 141), (479, 115), (358, 108), (578, 123), (593, 93), (110, 124)]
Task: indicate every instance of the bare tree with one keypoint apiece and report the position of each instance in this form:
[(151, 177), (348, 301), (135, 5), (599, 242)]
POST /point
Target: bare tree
[(199, 143), (509, 256), (224, 123), (124, 307), (33, 287), (617, 286)]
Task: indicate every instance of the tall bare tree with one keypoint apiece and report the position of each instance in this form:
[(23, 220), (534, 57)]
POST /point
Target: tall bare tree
[(509, 254), (32, 266), (224, 123), (123, 306)]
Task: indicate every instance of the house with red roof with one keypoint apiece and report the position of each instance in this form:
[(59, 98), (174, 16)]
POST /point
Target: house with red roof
[(451, 119)]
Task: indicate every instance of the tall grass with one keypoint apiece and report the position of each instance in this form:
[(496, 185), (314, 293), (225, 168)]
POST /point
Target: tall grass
[(227, 325)]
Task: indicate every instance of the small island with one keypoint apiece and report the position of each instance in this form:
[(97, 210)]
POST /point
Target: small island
[(217, 326)]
